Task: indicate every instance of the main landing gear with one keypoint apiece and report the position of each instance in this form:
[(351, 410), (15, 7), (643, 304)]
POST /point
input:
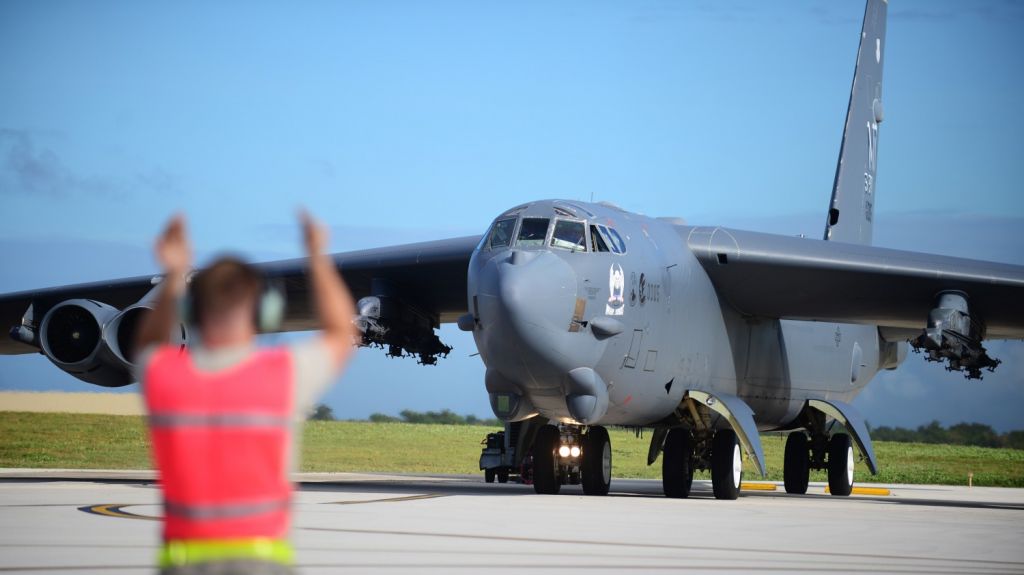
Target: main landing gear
[(685, 451), (833, 454), (571, 455)]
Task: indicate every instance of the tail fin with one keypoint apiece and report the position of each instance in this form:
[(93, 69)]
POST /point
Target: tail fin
[(853, 193)]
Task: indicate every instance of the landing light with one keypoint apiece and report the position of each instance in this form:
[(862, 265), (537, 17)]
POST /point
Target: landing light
[(569, 451)]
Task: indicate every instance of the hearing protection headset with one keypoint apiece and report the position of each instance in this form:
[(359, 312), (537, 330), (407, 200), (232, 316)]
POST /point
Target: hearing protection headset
[(268, 311)]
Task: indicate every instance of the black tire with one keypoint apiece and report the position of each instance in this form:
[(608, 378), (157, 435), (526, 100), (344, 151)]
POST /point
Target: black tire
[(726, 465), (597, 461), (677, 463), (840, 465), (489, 475), (503, 476), (796, 472), (546, 480)]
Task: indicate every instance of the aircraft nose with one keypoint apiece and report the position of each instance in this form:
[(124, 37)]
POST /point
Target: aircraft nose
[(538, 292), (529, 314), (526, 304)]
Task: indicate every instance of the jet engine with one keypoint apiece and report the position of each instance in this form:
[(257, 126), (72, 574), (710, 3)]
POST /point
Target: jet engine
[(93, 341)]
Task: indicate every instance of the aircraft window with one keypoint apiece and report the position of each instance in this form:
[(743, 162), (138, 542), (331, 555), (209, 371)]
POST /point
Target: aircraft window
[(569, 235), (501, 233), (532, 232), (615, 240), (597, 240)]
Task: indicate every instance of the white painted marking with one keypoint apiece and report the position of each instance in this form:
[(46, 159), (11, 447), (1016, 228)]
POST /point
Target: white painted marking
[(616, 287)]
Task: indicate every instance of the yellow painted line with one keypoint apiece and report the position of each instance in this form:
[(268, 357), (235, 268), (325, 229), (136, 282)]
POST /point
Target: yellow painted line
[(389, 499), (758, 486), (116, 510), (868, 491)]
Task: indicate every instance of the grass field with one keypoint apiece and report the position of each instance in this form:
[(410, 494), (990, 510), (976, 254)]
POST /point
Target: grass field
[(119, 442)]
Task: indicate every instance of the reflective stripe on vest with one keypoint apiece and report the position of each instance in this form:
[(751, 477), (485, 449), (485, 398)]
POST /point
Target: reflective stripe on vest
[(209, 511), (221, 443), (216, 420), (179, 553)]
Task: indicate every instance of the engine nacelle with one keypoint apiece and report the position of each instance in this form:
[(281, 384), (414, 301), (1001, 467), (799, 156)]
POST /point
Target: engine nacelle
[(119, 334), (72, 337), (94, 341)]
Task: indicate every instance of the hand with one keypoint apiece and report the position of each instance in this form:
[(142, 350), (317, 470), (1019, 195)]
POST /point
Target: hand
[(172, 248), (314, 234)]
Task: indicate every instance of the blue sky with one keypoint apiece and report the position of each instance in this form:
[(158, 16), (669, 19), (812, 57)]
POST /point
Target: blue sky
[(404, 121)]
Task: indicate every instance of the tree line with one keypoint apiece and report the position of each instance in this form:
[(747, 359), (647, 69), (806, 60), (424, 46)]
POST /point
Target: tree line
[(324, 412), (976, 434), (445, 416)]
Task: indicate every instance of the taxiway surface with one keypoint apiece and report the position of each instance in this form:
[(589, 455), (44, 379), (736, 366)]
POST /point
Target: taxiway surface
[(104, 522)]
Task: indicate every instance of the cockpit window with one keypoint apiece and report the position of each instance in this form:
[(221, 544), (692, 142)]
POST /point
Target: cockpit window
[(569, 235), (618, 245), (611, 238), (597, 240), (532, 232), (501, 233)]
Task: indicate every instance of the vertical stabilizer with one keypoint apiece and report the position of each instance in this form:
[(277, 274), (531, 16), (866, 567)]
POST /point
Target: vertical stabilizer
[(853, 194)]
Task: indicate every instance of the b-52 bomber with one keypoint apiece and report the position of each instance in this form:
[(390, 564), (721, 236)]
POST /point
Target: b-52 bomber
[(587, 315)]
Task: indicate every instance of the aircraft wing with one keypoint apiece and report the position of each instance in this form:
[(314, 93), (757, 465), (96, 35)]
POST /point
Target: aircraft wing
[(428, 277), (803, 279)]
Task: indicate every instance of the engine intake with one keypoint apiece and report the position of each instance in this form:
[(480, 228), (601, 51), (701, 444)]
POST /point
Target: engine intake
[(72, 337), (72, 330), (121, 331), (94, 341)]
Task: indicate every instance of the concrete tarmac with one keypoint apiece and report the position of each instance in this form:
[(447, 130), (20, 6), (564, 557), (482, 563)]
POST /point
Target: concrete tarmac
[(106, 522)]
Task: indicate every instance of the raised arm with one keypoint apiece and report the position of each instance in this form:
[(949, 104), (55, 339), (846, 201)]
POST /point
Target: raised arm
[(175, 256), (334, 303)]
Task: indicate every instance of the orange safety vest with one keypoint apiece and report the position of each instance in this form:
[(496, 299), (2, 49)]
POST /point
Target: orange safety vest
[(221, 442)]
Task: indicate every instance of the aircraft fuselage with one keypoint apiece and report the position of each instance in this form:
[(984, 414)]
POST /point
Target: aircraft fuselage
[(616, 326)]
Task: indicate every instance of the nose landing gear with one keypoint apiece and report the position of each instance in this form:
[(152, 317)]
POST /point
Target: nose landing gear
[(571, 455), (546, 470), (597, 461)]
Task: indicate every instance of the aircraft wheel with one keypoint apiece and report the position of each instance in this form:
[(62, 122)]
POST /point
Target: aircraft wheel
[(797, 469), (503, 476), (545, 461), (726, 464), (597, 461), (677, 463), (840, 465), (489, 475)]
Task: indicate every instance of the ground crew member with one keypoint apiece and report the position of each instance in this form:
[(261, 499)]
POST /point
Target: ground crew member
[(222, 413)]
